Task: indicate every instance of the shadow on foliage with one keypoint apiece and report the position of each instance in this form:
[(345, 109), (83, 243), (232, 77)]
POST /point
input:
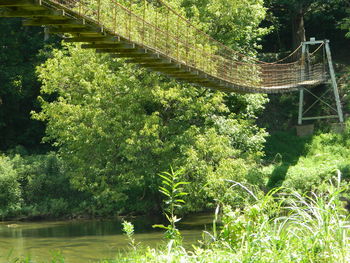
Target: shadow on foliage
[(284, 150)]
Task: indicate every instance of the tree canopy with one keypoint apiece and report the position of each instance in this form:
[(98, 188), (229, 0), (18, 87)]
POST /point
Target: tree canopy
[(117, 126)]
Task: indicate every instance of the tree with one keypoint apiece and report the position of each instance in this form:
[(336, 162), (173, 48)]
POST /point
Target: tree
[(118, 126), (295, 12), (230, 21)]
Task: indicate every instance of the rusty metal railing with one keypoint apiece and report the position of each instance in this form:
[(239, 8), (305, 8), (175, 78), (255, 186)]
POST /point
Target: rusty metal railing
[(156, 26)]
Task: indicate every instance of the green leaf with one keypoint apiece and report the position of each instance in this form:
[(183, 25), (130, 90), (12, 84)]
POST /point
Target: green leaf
[(160, 226), (180, 194), (167, 178)]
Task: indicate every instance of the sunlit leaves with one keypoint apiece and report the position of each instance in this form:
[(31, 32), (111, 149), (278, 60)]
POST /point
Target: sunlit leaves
[(231, 21), (117, 126)]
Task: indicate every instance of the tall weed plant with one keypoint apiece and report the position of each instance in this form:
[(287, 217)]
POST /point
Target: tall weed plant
[(172, 189), (283, 226)]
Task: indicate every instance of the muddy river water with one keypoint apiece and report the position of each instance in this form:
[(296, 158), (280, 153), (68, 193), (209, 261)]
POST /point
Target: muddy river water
[(86, 240)]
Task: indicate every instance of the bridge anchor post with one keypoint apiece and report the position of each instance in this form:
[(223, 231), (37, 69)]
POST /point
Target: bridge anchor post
[(304, 73)]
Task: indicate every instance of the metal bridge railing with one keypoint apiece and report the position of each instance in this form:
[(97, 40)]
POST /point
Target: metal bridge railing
[(155, 26)]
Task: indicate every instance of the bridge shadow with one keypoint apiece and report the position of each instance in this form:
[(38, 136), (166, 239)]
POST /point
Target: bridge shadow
[(283, 150)]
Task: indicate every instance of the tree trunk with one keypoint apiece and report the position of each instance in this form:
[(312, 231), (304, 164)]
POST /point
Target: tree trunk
[(298, 29)]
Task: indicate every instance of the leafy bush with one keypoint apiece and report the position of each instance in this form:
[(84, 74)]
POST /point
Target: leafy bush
[(42, 177), (38, 186), (10, 193)]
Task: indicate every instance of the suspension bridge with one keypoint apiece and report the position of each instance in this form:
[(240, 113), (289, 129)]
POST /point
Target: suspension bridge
[(155, 36)]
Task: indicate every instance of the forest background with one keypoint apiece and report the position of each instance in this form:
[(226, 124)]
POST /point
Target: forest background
[(86, 135)]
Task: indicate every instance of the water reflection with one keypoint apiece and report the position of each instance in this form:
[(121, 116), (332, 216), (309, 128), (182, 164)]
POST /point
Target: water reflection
[(85, 241)]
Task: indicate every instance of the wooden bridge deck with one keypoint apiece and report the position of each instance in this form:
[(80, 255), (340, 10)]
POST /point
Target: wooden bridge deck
[(60, 19)]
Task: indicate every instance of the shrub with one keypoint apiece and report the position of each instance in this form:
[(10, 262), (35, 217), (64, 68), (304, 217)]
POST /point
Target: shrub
[(10, 194), (37, 185)]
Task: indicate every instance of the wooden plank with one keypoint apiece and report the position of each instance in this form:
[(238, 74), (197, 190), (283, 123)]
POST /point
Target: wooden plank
[(212, 86), (160, 65), (49, 22), (90, 39), (191, 77), (114, 45), (23, 13), (31, 13), (146, 60), (138, 57), (87, 30), (165, 70), (9, 3), (130, 55), (120, 50), (148, 57), (124, 49), (206, 84)]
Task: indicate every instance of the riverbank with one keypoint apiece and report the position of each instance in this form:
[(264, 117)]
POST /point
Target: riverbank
[(283, 226)]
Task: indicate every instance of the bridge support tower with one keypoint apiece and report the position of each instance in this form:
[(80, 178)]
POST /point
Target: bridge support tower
[(338, 113)]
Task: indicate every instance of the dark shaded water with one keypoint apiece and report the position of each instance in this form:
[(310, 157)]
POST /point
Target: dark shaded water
[(85, 241)]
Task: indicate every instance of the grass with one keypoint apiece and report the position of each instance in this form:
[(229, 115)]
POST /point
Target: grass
[(303, 163), (284, 226)]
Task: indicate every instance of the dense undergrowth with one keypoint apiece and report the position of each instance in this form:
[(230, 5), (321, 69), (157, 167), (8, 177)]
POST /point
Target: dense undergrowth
[(38, 186)]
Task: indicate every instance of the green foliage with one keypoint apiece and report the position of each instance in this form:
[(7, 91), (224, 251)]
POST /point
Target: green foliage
[(326, 153), (289, 229), (37, 186), (344, 85), (283, 226), (230, 21), (10, 193), (172, 189), (21, 50), (45, 185), (56, 257), (291, 18), (285, 147), (305, 163), (346, 25), (117, 126)]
